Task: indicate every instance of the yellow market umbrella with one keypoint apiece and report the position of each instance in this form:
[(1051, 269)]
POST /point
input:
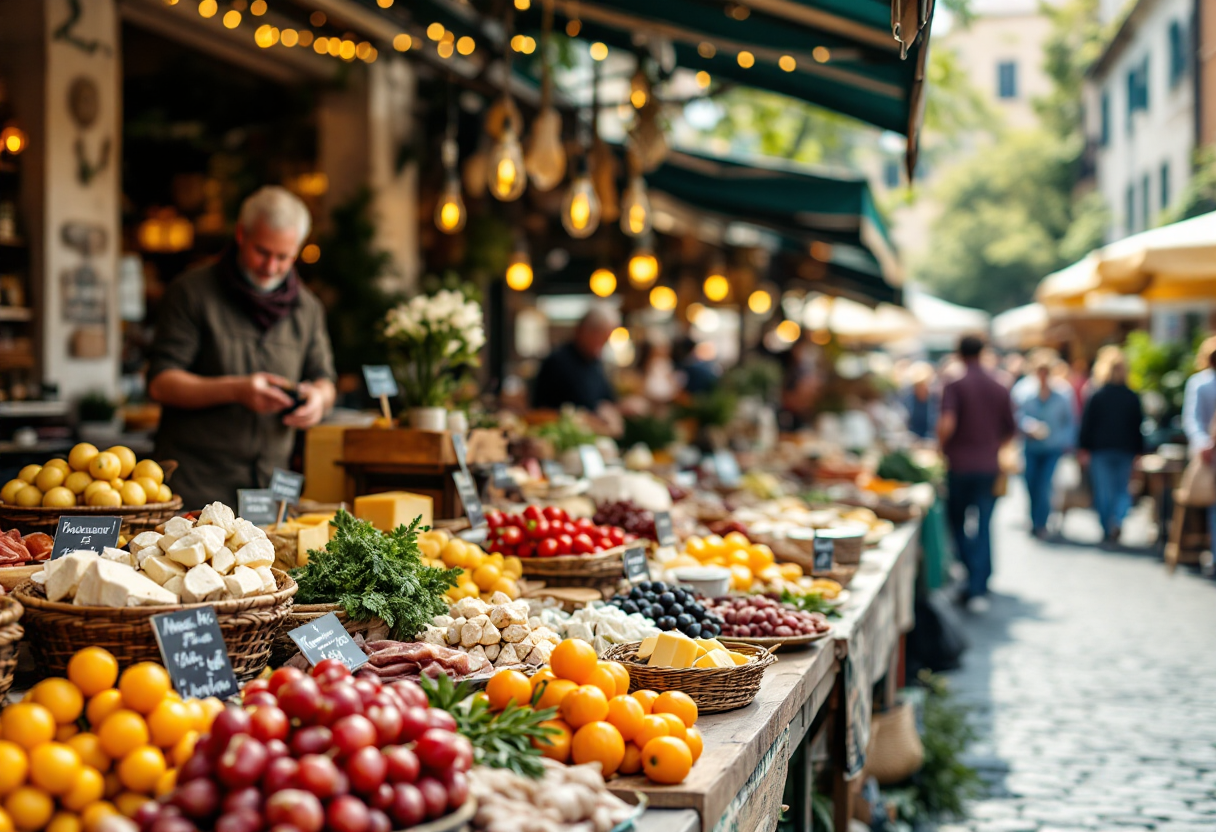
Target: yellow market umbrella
[(1163, 260), (1069, 286)]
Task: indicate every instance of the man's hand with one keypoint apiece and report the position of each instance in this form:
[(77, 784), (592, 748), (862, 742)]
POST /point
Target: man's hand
[(1206, 454), (316, 402), (263, 393)]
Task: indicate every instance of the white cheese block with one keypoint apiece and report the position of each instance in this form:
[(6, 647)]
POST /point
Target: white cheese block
[(243, 582), (118, 556), (269, 584), (110, 584), (489, 634), (212, 538), (223, 560), (218, 514), (63, 574), (492, 651), (201, 584), (256, 553), (143, 554), (499, 598), (188, 551), (514, 632), (144, 539), (176, 585), (160, 569), (245, 532)]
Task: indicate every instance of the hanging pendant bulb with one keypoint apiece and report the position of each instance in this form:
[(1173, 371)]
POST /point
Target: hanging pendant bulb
[(635, 208), (506, 173), (643, 267), (603, 282), (519, 270), (546, 158), (581, 208), (450, 213), (716, 286)]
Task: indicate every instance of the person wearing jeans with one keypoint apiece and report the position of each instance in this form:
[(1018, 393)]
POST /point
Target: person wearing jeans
[(976, 419), (1111, 436), (1047, 421), (1199, 411)]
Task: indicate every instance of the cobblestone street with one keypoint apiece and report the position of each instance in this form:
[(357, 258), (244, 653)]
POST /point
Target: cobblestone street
[(1093, 680)]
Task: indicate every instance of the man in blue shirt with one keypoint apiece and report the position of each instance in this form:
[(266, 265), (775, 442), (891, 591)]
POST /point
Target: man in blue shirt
[(574, 372), (1047, 421)]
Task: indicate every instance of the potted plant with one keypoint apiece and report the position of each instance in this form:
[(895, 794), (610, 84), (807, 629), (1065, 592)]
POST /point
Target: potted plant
[(99, 418), (434, 341)]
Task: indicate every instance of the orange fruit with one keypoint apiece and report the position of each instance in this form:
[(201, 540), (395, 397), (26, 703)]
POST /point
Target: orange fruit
[(714, 545), (14, 766), (89, 788), (666, 760), (555, 692), (143, 686), (29, 808), (88, 746), (759, 557), (6, 823), (198, 716), (64, 822), (598, 742), (507, 686), (129, 803), (126, 457), (91, 817), (555, 746), (212, 708), (695, 744), (626, 714), (140, 770), (59, 696), (645, 699), (54, 767), (695, 546), (621, 675), (184, 748), (169, 722), (603, 679), (573, 659), (166, 783), (583, 705), (105, 466), (740, 578), (102, 705), (542, 675), (486, 575), (65, 732), (28, 724), (81, 455), (632, 761), (652, 726), (736, 540), (676, 702), (122, 732), (737, 557), (675, 725)]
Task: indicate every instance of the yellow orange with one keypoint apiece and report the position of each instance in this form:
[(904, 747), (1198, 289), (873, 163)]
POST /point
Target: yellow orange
[(621, 675), (126, 459), (583, 705), (29, 473), (631, 763), (556, 746), (105, 466), (29, 497), (666, 760), (141, 769), (603, 679), (28, 724), (573, 659), (64, 822), (555, 691), (54, 767), (675, 726), (695, 743), (143, 686), (92, 670), (59, 696), (59, 497), (88, 746), (169, 722), (626, 714), (8, 494), (51, 476), (676, 702), (102, 705), (122, 732), (148, 468), (598, 742), (652, 726), (81, 455), (645, 699), (29, 808), (14, 766), (508, 686)]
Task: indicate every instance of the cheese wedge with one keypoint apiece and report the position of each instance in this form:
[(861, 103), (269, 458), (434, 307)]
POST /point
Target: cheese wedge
[(738, 658), (144, 539), (243, 582), (218, 514), (223, 561), (109, 584), (212, 538), (256, 553), (188, 550), (118, 556), (176, 585), (710, 644), (310, 537), (63, 574), (245, 532), (160, 569), (715, 658), (647, 647), (673, 650), (269, 584), (388, 510), (202, 583)]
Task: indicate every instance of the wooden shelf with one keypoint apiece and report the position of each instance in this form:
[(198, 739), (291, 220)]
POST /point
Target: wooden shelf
[(32, 408), (15, 314)]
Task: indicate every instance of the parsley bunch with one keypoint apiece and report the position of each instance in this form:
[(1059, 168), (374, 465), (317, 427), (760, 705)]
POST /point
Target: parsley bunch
[(370, 574)]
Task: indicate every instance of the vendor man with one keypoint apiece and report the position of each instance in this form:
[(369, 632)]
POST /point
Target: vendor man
[(574, 372), (232, 339)]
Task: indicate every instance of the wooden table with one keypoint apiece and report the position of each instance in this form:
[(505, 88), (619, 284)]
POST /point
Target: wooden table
[(738, 784)]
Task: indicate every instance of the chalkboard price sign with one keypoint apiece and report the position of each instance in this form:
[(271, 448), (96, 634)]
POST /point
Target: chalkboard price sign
[(380, 380), (636, 567), (257, 505), (825, 553), (286, 486), (470, 498), (194, 653), (663, 530), (326, 638), (593, 461), (91, 533)]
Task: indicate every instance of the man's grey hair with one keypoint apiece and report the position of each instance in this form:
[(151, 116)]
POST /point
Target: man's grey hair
[(601, 316), (276, 208)]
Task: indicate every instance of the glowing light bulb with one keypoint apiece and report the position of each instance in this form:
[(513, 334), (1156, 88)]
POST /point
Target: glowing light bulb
[(789, 331), (449, 213), (703, 79), (716, 287), (635, 208), (208, 8), (581, 208), (746, 59), (519, 271), (545, 160), (663, 298), (760, 302), (599, 51), (603, 282), (643, 268), (13, 140), (232, 19), (619, 337), (507, 173)]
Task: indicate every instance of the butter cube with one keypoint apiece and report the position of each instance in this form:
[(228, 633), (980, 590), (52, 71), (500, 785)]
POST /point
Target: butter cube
[(218, 514), (673, 650), (176, 585), (223, 561), (118, 556), (201, 584), (244, 532), (715, 658), (256, 553), (243, 582), (63, 574), (144, 539), (390, 509), (160, 569), (269, 584), (188, 550), (647, 647)]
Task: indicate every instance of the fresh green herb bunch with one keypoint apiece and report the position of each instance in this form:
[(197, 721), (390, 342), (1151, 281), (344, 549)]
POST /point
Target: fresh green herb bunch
[(370, 574), (502, 740), (809, 602)]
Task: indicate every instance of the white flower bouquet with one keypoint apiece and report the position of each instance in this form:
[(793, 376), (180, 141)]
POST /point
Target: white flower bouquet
[(437, 339)]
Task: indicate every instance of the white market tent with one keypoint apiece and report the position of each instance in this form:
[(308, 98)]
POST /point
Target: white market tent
[(1020, 328), (943, 323)]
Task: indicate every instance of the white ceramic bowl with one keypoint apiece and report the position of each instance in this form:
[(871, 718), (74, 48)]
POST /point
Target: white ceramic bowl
[(710, 581)]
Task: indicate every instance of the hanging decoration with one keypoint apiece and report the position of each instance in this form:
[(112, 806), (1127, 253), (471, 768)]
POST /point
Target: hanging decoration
[(647, 137), (506, 176), (716, 287), (581, 207), (603, 282), (643, 265), (519, 267), (545, 159), (601, 160), (635, 203), (450, 214)]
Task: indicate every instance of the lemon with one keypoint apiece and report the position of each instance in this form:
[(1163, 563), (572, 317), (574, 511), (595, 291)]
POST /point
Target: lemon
[(81, 455), (105, 466), (104, 497), (126, 457), (148, 468), (59, 463), (30, 473), (77, 482), (59, 497), (8, 494), (51, 476), (117, 483), (133, 494), (150, 486), (165, 495), (95, 486), (29, 496)]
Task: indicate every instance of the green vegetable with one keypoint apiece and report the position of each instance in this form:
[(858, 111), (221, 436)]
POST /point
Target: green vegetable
[(502, 740), (898, 465), (370, 574), (809, 602), (565, 433)]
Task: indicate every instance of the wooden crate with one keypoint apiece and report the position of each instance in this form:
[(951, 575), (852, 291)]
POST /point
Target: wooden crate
[(398, 446)]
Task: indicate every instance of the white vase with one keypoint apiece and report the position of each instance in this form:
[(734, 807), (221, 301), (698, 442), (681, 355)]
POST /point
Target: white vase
[(428, 418), (458, 422)]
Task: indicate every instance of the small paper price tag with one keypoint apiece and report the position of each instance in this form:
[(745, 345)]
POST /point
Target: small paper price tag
[(825, 553), (192, 647), (593, 461), (326, 638), (91, 533), (286, 486), (470, 498), (257, 505), (727, 467), (380, 380), (637, 568), (663, 530)]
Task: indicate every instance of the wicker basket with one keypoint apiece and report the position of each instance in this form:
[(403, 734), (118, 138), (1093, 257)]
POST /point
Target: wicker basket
[(10, 639), (58, 630), (896, 751), (602, 570), (300, 614), (135, 519), (714, 689)]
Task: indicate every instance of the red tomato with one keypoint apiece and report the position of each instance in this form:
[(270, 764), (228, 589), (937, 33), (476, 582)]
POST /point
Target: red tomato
[(617, 535), (512, 536), (538, 529), (565, 544), (569, 528), (554, 513), (493, 518), (526, 549), (603, 543), (548, 547), (583, 545), (584, 524), (533, 513)]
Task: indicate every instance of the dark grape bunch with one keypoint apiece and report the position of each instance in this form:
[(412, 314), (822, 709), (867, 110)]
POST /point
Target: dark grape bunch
[(670, 608), (629, 516)]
